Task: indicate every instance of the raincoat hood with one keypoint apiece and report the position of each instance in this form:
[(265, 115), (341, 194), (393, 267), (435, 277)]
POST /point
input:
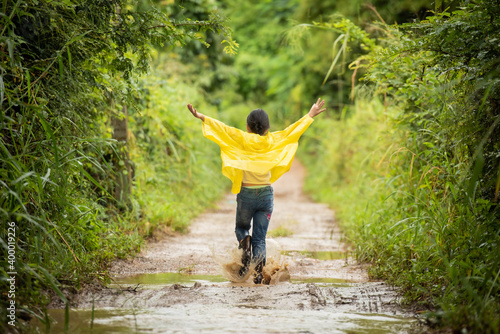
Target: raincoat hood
[(258, 144)]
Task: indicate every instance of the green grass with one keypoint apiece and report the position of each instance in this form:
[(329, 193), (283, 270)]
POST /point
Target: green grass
[(178, 170), (280, 231), (412, 219), (56, 189)]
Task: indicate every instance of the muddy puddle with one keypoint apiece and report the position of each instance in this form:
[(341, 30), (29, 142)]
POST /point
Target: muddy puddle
[(187, 283), (160, 280), (319, 255), (223, 319)]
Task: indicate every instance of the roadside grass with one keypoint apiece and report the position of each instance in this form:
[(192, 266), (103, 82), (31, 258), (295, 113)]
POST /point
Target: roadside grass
[(178, 170), (285, 229), (408, 212), (280, 231), (56, 192)]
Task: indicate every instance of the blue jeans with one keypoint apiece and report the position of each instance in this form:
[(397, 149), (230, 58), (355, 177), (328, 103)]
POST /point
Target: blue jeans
[(256, 204)]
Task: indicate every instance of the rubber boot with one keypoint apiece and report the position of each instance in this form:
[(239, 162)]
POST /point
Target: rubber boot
[(257, 279), (246, 245)]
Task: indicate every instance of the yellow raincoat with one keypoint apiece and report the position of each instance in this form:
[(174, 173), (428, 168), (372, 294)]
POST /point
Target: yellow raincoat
[(251, 152)]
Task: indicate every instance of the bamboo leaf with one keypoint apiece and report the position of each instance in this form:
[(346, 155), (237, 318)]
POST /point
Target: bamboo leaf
[(69, 59), (337, 56), (52, 282), (61, 66), (2, 90)]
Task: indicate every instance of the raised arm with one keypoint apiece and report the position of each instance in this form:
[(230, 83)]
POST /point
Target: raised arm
[(317, 108), (195, 113), (295, 130), (217, 131)]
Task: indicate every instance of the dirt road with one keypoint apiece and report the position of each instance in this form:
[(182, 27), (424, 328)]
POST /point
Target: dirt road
[(178, 284), (313, 225)]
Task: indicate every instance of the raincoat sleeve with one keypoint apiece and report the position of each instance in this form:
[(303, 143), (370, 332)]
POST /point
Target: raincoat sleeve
[(286, 143), (223, 135), (293, 132), (231, 142)]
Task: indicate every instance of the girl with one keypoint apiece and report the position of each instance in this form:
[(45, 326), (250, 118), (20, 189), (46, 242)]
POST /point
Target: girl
[(252, 161)]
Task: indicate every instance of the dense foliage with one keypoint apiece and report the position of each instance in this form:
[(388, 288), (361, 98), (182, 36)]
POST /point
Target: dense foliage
[(177, 172), (67, 68), (416, 179)]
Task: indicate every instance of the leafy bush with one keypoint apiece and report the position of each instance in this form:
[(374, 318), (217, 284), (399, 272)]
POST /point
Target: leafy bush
[(416, 180), (177, 169)]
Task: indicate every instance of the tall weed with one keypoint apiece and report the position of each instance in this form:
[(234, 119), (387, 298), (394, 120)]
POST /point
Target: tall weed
[(407, 211)]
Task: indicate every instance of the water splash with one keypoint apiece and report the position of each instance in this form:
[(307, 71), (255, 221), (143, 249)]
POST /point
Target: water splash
[(230, 262), (275, 270)]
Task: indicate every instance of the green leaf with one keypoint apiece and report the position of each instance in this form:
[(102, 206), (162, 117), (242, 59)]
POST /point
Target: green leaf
[(91, 179), (61, 65), (69, 59), (52, 282), (2, 89)]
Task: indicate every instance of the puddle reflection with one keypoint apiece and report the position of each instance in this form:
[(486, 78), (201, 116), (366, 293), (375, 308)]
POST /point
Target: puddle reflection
[(193, 318), (320, 255), (158, 280)]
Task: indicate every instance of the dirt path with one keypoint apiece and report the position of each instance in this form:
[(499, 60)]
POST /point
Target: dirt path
[(332, 294), (313, 225)]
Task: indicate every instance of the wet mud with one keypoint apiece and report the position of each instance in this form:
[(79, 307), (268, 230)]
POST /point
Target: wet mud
[(190, 283)]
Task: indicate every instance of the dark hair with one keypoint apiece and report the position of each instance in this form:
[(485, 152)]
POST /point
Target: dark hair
[(258, 121)]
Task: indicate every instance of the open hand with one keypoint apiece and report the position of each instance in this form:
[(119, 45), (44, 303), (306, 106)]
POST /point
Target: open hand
[(195, 113), (317, 108)]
